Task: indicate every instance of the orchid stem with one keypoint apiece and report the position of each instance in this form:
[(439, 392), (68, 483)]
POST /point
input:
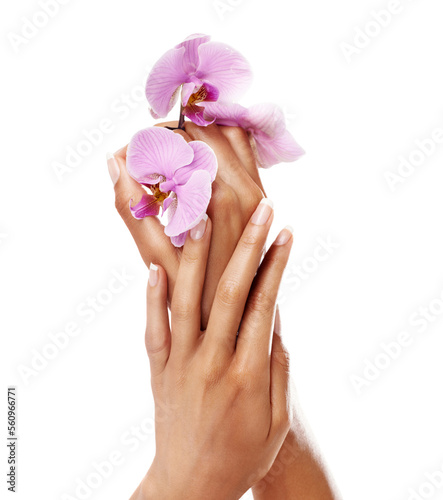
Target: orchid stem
[(181, 120)]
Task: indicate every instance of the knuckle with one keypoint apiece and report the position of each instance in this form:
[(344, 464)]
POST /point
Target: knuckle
[(282, 357), (236, 133), (212, 373), (190, 258), (122, 203), (249, 241), (153, 347), (242, 378), (181, 310), (223, 197), (192, 129), (261, 302), (229, 292)]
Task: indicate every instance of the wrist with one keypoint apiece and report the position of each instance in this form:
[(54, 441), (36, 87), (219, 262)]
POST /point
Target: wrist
[(158, 485), (297, 472), (289, 455)]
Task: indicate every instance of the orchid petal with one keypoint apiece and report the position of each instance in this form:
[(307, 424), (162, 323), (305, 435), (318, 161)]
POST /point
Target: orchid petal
[(187, 90), (212, 93), (196, 114), (154, 154), (148, 205), (225, 68), (167, 203), (231, 115), (266, 117), (179, 241), (282, 148), (204, 159), (191, 57), (164, 81), (192, 201)]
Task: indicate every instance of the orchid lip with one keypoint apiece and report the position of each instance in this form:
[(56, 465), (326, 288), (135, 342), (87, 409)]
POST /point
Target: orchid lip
[(167, 186), (159, 193)]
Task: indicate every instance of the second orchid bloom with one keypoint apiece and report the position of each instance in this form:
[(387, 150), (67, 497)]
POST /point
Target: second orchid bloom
[(178, 174)]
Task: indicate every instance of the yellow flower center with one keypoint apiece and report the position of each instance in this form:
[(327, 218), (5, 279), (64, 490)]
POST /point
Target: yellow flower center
[(159, 196), (198, 96)]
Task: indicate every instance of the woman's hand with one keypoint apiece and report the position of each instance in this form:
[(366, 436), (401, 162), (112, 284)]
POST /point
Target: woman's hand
[(298, 472), (236, 191), (222, 409)]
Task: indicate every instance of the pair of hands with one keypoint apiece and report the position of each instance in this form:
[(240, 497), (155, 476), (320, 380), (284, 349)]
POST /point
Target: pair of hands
[(224, 418), (236, 192), (222, 400)]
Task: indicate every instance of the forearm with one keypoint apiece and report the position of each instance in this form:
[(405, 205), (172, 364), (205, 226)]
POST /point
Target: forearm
[(297, 473)]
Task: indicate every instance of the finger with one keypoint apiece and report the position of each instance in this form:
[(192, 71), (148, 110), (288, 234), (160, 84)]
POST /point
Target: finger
[(171, 124), (227, 228), (148, 233), (158, 336), (228, 162), (280, 380), (239, 140), (174, 125), (254, 339), (235, 283), (186, 301), (231, 171)]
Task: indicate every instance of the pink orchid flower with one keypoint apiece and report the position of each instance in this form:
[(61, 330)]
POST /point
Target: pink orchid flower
[(206, 71), (265, 124), (178, 174)]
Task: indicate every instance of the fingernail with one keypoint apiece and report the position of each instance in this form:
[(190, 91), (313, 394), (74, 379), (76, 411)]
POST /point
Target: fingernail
[(277, 322), (153, 275), (114, 170), (284, 236), (262, 212), (198, 231)]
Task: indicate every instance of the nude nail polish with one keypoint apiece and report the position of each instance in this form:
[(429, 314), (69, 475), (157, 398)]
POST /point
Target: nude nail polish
[(153, 275), (113, 168), (284, 236), (262, 212), (198, 231)]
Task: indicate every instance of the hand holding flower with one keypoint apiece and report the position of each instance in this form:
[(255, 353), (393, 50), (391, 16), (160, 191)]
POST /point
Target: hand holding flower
[(236, 191)]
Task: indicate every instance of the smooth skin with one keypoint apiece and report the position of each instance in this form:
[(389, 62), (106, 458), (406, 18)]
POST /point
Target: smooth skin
[(298, 471), (222, 410)]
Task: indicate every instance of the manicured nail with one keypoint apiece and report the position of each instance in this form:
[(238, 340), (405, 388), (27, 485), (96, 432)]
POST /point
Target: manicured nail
[(198, 231), (284, 236), (277, 322), (262, 212), (153, 275), (114, 170)]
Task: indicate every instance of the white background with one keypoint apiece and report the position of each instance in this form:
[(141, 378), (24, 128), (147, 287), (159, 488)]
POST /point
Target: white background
[(61, 240)]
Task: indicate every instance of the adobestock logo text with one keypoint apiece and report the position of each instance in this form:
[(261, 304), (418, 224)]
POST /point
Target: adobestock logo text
[(423, 318), (295, 275), (130, 441), (32, 25), (86, 312), (90, 139), (408, 164), (378, 22)]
